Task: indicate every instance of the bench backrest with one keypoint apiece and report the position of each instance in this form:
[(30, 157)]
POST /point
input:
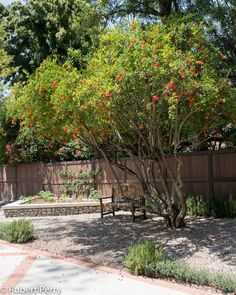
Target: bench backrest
[(129, 192)]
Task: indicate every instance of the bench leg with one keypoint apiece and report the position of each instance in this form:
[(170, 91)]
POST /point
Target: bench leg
[(144, 210), (113, 210), (101, 208), (144, 214), (133, 212)]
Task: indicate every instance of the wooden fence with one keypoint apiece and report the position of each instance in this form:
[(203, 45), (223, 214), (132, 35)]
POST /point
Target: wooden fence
[(206, 173)]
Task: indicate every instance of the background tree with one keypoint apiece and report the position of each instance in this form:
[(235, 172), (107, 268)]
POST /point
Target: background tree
[(6, 133), (145, 93), (39, 28)]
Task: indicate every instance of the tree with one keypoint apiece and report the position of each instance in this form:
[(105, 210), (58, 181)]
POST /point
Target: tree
[(5, 69), (37, 29), (218, 15), (145, 93)]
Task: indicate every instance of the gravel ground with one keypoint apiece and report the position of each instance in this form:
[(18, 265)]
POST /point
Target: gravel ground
[(206, 243)]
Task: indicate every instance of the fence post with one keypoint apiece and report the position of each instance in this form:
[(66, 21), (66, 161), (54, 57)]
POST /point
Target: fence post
[(16, 182), (210, 175)]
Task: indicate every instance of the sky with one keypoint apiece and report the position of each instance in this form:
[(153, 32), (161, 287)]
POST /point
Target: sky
[(6, 1)]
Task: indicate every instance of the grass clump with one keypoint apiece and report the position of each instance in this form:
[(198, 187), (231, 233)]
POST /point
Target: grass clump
[(17, 231), (147, 259)]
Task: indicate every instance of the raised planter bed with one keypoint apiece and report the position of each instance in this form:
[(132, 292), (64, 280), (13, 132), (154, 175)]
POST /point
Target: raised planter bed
[(20, 208)]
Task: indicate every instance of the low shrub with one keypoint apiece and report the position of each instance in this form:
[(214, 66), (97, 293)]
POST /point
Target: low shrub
[(140, 255), (147, 259), (17, 231), (211, 206), (29, 199), (47, 196), (197, 206)]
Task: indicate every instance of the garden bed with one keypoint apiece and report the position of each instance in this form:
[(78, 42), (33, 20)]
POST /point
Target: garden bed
[(21, 208)]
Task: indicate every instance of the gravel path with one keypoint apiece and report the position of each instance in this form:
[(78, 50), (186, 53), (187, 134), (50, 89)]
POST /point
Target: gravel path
[(206, 243)]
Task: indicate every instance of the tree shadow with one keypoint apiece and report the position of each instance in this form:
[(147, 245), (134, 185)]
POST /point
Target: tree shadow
[(105, 241)]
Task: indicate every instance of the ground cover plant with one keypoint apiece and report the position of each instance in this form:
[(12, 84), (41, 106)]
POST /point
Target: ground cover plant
[(17, 231), (147, 258)]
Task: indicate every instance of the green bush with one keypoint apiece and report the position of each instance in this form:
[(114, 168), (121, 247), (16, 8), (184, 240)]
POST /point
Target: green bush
[(147, 259), (140, 255), (17, 231), (197, 206), (211, 207), (47, 196)]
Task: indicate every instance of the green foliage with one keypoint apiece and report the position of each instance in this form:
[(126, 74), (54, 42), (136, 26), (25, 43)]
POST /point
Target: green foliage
[(224, 207), (148, 259), (93, 194), (140, 255), (196, 206), (29, 199), (181, 272), (46, 27), (17, 231), (47, 196), (81, 183), (219, 16), (59, 102)]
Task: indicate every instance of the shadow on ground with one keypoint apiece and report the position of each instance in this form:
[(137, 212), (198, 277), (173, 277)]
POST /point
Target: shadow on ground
[(105, 240)]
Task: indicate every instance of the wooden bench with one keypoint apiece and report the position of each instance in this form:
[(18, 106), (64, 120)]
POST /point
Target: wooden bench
[(130, 198)]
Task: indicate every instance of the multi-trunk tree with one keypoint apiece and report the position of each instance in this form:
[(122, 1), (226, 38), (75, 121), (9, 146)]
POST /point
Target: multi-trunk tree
[(145, 93)]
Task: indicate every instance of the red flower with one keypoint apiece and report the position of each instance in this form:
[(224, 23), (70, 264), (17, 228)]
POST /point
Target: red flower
[(191, 99), (54, 84), (170, 85), (156, 65), (155, 98), (107, 95)]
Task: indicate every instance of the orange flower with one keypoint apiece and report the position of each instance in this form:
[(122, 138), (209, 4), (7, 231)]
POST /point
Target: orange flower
[(155, 98), (156, 65), (191, 99), (30, 111), (170, 85), (107, 95)]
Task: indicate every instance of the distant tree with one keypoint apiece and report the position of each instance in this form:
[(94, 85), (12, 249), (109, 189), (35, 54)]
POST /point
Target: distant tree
[(5, 70), (37, 29)]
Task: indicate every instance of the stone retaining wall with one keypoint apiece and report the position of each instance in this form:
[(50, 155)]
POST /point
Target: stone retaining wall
[(18, 210)]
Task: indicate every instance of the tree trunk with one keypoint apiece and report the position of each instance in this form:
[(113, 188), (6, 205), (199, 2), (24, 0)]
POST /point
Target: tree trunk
[(164, 7)]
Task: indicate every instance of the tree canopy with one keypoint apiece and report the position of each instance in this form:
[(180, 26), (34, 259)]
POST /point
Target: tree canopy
[(37, 29)]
